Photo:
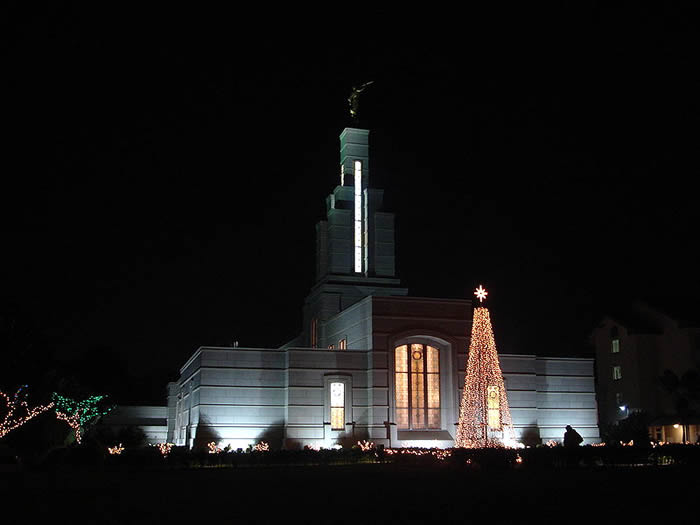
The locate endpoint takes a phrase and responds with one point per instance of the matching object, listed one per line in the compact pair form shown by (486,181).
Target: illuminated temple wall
(546,394)
(240,396)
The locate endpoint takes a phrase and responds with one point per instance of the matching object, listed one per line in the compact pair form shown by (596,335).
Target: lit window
(337,406)
(615,348)
(358,216)
(342,174)
(331,347)
(417,382)
(617,372)
(314,332)
(343,344)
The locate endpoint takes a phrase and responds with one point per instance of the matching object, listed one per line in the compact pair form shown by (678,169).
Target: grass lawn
(365,493)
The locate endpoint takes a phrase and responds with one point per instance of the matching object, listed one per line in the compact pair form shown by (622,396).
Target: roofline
(422,299)
(199,351)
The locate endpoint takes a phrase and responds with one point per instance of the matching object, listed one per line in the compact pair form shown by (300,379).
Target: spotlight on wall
(676,425)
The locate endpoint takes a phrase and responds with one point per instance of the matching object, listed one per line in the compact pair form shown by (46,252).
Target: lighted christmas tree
(484,417)
(16,411)
(78,414)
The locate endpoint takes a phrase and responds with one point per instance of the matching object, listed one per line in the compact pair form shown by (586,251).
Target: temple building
(371,362)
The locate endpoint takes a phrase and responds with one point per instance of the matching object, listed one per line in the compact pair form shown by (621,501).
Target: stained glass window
(417,386)
(337,406)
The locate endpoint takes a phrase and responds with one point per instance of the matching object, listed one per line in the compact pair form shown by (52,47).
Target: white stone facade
(240,396)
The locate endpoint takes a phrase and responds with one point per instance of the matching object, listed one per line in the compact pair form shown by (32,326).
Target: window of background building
(417,386)
(617,372)
(343,344)
(615,348)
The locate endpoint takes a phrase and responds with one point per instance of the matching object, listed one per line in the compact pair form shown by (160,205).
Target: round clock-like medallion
(417,354)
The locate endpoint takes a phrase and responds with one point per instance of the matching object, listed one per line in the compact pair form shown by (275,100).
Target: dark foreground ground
(366,493)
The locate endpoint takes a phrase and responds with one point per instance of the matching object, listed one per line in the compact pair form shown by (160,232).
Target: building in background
(370,362)
(648,362)
(152,420)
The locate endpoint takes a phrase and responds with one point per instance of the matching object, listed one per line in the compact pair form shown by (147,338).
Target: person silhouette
(572,439)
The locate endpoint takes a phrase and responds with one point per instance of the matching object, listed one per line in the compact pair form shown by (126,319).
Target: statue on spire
(354,98)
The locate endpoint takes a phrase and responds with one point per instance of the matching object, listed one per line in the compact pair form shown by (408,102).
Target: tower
(355,247)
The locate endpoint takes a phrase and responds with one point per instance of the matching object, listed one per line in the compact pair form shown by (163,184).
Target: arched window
(417,386)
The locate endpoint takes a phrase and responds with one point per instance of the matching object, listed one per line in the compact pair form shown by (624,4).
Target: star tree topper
(481,293)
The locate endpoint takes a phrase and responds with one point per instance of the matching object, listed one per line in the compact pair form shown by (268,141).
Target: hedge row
(529,458)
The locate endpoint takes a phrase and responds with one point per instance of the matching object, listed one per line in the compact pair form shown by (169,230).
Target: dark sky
(163,172)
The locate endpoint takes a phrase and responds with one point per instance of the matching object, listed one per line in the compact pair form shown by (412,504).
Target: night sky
(163,173)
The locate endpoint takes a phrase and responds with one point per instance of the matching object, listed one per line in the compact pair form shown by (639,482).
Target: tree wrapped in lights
(79,414)
(17,412)
(165,448)
(484,417)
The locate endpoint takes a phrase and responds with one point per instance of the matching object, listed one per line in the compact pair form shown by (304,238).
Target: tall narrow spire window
(358,216)
(314,333)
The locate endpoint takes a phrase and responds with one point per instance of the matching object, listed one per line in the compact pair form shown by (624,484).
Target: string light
(73,422)
(484,416)
(115,450)
(165,448)
(79,413)
(439,453)
(261,447)
(213,448)
(18,411)
(365,445)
